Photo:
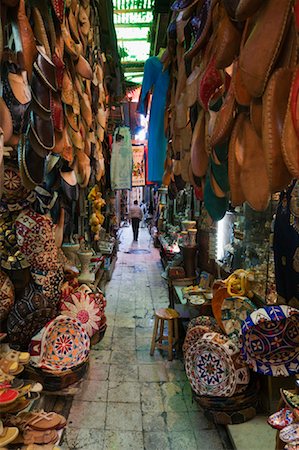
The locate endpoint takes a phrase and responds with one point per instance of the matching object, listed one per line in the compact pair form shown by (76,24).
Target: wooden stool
(171,316)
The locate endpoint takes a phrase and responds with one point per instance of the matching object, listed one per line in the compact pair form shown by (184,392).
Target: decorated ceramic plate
(202,325)
(61,345)
(204,320)
(234,310)
(214,366)
(290,433)
(195,299)
(270,340)
(281,419)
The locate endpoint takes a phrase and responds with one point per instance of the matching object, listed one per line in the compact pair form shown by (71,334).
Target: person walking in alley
(135,216)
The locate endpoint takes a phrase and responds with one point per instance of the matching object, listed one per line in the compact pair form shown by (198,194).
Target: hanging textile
(138,175)
(121,159)
(158,80)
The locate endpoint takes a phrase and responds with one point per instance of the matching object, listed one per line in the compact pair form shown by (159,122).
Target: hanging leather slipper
(251,158)
(45,69)
(234,170)
(215,206)
(200,26)
(83,68)
(275,100)
(29,50)
(247,8)
(40,98)
(40,31)
(199,155)
(256,114)
(228,40)
(290,141)
(31,165)
(41,135)
(5,121)
(261,49)
(225,117)
(220,172)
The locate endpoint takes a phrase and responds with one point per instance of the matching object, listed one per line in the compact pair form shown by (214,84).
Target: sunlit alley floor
(131,400)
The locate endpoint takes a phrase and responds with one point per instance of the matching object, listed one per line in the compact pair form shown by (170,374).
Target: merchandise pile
(16,395)
(233,86)
(219,351)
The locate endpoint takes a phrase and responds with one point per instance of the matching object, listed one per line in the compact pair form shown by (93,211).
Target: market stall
(58,229)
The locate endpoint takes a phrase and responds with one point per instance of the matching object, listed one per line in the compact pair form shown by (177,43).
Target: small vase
(70,251)
(85,276)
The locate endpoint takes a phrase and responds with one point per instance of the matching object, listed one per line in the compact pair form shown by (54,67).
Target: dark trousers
(135,226)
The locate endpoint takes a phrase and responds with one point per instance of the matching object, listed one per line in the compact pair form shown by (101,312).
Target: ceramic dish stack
(286,420)
(224,391)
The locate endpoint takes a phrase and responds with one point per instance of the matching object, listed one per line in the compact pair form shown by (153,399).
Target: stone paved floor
(130,400)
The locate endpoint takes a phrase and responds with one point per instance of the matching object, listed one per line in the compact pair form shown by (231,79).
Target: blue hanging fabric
(121,159)
(158,80)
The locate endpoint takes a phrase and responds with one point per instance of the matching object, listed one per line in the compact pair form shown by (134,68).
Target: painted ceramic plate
(214,366)
(281,419)
(290,433)
(60,346)
(270,339)
(202,325)
(196,299)
(234,310)
(204,320)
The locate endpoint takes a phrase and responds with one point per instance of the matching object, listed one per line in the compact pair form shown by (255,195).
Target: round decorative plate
(197,331)
(195,299)
(214,366)
(234,310)
(204,320)
(61,345)
(83,307)
(281,419)
(290,433)
(270,340)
